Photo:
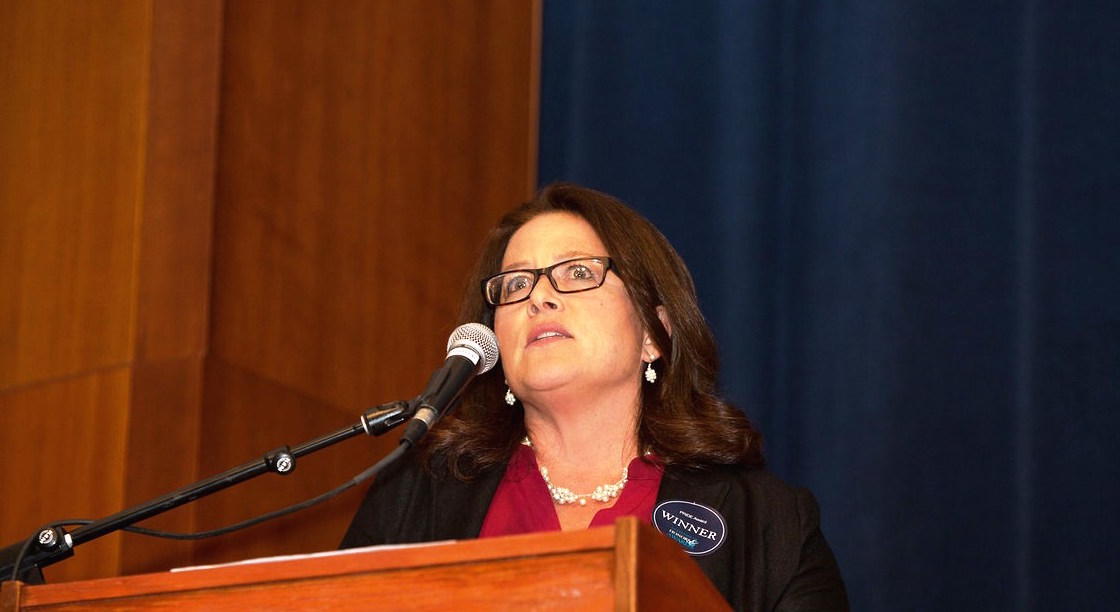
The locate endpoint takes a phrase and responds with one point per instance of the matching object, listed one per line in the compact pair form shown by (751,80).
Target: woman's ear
(664,316)
(652,351)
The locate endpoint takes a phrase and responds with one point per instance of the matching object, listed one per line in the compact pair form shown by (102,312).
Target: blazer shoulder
(395,495)
(766,487)
(751,495)
(789,517)
(408,503)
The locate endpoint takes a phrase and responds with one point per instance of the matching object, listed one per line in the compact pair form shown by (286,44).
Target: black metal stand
(55,544)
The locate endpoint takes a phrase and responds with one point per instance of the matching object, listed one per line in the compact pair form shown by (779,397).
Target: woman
(604,406)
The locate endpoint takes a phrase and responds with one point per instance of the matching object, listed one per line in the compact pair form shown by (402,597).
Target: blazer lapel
(459,508)
(704,488)
(708,489)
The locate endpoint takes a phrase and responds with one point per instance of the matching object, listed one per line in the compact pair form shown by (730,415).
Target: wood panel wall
(231,225)
(109,110)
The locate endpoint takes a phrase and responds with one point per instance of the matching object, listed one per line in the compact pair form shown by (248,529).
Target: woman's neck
(587,437)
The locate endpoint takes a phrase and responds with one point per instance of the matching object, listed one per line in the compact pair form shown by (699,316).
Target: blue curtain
(903,221)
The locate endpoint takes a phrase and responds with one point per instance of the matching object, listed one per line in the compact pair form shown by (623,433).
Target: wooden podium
(625,567)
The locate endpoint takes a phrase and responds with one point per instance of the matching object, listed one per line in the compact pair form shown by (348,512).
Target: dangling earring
(651,374)
(510,399)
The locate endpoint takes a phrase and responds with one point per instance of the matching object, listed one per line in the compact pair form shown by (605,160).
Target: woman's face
(589,342)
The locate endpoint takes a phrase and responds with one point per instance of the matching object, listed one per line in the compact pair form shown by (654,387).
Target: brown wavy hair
(682,419)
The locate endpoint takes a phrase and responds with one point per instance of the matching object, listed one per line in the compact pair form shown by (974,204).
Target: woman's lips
(546,334)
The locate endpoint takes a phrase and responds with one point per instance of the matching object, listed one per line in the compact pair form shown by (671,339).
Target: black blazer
(774,557)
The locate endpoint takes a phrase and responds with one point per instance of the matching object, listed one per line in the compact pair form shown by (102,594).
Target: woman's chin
(543,384)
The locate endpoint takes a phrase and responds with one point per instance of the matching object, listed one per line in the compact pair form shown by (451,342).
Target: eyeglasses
(571,276)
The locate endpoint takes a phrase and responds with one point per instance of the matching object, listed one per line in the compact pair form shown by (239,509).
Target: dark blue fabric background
(903,221)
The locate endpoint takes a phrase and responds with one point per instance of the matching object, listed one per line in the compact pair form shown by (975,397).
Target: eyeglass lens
(566,277)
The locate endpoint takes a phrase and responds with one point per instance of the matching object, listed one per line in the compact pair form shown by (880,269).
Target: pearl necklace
(563,495)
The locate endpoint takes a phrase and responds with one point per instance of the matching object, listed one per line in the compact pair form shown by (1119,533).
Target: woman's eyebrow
(525,265)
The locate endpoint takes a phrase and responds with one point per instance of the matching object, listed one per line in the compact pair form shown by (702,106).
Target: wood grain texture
(173,270)
(246,416)
(177,210)
(73,82)
(365,151)
(66,442)
(254,219)
(162,447)
(109,132)
(536,571)
(554,570)
(72,86)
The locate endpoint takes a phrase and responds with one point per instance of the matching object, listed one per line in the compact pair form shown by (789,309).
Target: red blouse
(522,503)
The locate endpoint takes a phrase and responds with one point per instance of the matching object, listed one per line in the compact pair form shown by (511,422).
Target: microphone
(472,349)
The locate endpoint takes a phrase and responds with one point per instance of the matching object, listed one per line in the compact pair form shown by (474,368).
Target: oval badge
(700,530)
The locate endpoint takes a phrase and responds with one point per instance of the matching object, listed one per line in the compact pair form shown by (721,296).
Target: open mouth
(547,334)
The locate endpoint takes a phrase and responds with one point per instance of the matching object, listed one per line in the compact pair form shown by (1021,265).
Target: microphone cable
(171,535)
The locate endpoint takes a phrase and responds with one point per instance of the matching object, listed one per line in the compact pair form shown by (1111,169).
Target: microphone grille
(479,338)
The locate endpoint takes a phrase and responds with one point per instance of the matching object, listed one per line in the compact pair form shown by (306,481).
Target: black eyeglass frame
(608,265)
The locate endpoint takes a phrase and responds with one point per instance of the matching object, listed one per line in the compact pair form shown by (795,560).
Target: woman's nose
(544,296)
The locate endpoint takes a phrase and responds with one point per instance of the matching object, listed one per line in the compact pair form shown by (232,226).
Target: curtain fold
(903,222)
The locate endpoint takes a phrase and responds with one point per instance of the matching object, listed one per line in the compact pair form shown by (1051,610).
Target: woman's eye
(580,272)
(516,283)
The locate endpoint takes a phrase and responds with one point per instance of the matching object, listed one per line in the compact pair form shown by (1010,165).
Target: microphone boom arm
(54,544)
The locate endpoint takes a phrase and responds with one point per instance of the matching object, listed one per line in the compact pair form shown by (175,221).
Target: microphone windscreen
(478,338)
